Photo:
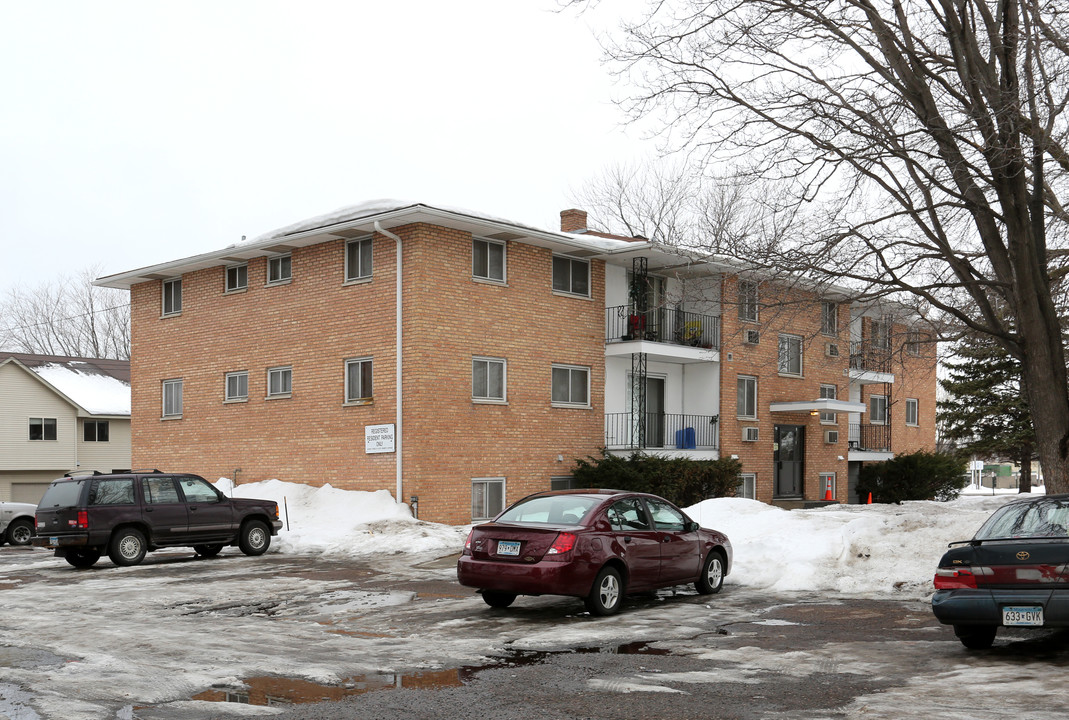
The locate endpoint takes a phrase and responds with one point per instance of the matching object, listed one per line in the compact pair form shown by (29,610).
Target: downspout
(397,434)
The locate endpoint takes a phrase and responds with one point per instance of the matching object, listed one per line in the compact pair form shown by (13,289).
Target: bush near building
(682,481)
(918,476)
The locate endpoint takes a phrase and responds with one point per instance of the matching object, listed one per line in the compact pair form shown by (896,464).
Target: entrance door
(654,412)
(789,457)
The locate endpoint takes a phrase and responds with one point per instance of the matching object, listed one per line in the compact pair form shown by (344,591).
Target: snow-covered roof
(98,386)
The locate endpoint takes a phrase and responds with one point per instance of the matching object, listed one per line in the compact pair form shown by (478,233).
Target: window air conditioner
(831,436)
(750,434)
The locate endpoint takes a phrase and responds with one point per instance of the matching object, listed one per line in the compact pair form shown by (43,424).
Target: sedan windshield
(551,510)
(1041,518)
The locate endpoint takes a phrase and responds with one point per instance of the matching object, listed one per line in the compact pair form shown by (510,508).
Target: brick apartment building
(520,350)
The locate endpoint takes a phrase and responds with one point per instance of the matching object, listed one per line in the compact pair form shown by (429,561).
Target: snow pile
(97,393)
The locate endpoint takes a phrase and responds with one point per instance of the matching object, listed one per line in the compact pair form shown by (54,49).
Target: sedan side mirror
(692,526)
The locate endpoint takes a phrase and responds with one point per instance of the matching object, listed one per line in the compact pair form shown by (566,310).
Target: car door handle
(666,538)
(627,538)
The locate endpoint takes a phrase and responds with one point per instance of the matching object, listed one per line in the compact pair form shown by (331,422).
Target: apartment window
(358,259)
(279,381)
(829,318)
(95,431)
(237,278)
(172,296)
(828,392)
(563,482)
(827,483)
(487,498)
(747,487)
(912,411)
(571,276)
(881,333)
(358,380)
(878,409)
(488,379)
(488,260)
(748,300)
(571,385)
(747,402)
(172,398)
(279,269)
(913,343)
(42,428)
(790,354)
(237,387)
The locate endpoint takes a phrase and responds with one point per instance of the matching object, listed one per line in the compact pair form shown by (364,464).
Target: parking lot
(309,637)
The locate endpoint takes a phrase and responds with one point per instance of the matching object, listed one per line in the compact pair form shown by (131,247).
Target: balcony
(662,431)
(663,325)
(867,357)
(864,437)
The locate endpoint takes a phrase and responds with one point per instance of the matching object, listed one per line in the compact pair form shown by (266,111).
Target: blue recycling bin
(686,439)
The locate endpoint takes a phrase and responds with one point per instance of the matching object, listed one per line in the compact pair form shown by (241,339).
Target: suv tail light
(954,579)
(561,546)
(82,522)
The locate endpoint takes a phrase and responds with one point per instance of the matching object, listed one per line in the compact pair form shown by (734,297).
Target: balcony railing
(867,357)
(872,438)
(660,431)
(665,325)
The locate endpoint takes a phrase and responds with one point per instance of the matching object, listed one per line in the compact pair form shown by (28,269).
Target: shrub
(680,480)
(920,476)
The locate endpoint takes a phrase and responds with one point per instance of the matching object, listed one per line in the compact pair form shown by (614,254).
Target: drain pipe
(397,433)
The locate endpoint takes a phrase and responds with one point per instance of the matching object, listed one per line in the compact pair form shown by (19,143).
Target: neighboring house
(521,350)
(59,415)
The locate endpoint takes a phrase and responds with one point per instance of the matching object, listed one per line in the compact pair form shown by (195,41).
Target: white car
(16,522)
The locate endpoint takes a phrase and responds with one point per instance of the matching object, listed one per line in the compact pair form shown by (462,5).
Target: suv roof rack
(84,473)
(136,471)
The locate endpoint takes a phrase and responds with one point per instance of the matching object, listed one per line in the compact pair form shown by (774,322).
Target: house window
(878,409)
(279,381)
(279,270)
(912,411)
(172,398)
(488,379)
(827,483)
(881,333)
(913,343)
(747,402)
(487,498)
(488,260)
(829,318)
(747,487)
(748,300)
(358,384)
(563,482)
(358,259)
(790,355)
(237,278)
(172,296)
(42,428)
(828,392)
(95,431)
(571,385)
(571,276)
(237,387)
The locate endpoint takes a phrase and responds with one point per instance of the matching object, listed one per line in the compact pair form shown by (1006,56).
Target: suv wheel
(82,558)
(127,547)
(208,551)
(19,532)
(255,538)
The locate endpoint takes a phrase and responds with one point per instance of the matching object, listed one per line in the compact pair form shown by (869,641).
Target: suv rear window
(62,494)
(112,492)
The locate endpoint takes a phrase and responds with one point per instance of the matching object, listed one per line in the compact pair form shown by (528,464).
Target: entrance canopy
(824,404)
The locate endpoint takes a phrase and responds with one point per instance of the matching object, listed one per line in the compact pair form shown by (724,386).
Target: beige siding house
(58,415)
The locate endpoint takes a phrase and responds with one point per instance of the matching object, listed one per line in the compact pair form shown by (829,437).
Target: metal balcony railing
(868,357)
(873,438)
(665,325)
(660,431)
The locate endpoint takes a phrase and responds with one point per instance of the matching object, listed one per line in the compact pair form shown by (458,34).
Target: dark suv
(126,515)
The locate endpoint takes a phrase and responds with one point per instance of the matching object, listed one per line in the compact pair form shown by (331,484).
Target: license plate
(1027,615)
(508,547)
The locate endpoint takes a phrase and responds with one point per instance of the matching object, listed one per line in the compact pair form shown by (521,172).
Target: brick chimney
(573,221)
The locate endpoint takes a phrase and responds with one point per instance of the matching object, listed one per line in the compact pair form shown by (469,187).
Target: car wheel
(82,558)
(607,594)
(208,551)
(976,637)
(255,538)
(712,577)
(127,547)
(498,599)
(19,532)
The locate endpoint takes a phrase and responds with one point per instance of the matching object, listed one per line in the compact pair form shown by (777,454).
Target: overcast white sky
(133,133)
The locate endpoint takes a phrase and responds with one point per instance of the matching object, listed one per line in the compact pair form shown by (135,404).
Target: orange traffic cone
(827,494)
(870,499)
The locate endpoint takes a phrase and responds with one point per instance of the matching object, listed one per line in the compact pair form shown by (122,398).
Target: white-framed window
(488,377)
(359,387)
(172,296)
(747,397)
(881,333)
(912,411)
(236,387)
(358,259)
(279,269)
(280,381)
(748,300)
(172,398)
(96,431)
(42,428)
(828,392)
(827,482)
(488,260)
(747,486)
(829,318)
(878,409)
(571,385)
(790,355)
(563,482)
(487,498)
(571,276)
(237,278)
(913,343)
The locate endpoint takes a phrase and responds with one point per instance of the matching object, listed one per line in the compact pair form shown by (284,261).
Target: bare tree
(69,317)
(917,147)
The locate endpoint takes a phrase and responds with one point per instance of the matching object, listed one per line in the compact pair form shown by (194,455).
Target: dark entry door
(654,412)
(789,457)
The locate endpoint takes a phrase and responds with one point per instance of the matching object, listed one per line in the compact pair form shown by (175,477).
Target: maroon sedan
(599,545)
